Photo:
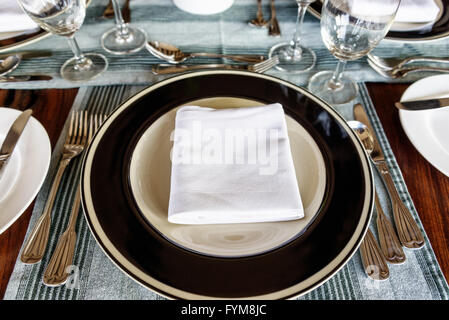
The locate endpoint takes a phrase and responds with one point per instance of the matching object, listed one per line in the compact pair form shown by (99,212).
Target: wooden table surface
(428,187)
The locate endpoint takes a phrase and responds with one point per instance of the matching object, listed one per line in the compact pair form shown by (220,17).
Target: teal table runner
(227,32)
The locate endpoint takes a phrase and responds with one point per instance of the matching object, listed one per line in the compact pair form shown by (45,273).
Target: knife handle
(34,248)
(168,69)
(408,231)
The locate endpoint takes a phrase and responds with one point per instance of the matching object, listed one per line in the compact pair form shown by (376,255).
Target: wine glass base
(93,65)
(293,62)
(114,43)
(319,85)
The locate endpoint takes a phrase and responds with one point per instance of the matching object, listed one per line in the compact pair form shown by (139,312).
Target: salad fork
(36,244)
(56,273)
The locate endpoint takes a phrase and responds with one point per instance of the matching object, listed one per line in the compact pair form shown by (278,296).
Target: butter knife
(416,105)
(29,54)
(13,136)
(408,231)
(26,78)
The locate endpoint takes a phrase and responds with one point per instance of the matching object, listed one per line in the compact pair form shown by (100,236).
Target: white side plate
(25,172)
(428,129)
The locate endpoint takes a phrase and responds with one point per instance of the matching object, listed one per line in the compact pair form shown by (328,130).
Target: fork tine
(96,122)
(75,128)
(70,132)
(85,127)
(267,62)
(91,123)
(79,135)
(259,68)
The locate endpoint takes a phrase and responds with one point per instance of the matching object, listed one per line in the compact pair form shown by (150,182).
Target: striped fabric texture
(418,278)
(227,32)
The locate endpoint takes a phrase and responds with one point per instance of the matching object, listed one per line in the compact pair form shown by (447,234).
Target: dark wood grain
(51,108)
(428,187)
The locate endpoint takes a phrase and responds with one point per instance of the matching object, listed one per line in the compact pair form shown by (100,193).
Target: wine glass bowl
(350,29)
(64,18)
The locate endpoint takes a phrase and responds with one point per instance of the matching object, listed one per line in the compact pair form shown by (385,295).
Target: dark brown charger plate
(439,29)
(173,271)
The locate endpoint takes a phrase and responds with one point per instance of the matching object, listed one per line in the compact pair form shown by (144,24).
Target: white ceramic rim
(29,186)
(412,123)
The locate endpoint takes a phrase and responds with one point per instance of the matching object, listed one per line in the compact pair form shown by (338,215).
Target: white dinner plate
(22,177)
(428,130)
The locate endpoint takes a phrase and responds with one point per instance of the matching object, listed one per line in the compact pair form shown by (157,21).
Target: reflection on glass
(64,18)
(350,29)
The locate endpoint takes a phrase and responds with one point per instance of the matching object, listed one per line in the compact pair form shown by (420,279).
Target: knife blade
(408,231)
(13,136)
(416,105)
(26,78)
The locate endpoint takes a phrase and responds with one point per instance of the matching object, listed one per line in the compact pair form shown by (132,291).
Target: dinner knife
(13,136)
(26,78)
(416,105)
(408,231)
(29,54)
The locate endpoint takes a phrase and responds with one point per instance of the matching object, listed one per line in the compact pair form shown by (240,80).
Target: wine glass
(293,57)
(350,29)
(64,18)
(122,39)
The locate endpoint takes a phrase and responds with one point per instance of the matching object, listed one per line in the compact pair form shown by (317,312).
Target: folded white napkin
(12,18)
(418,11)
(232,166)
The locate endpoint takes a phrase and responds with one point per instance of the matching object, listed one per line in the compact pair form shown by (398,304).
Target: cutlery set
(409,235)
(81,130)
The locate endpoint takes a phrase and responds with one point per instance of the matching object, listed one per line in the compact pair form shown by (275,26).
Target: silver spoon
(172,54)
(395,63)
(389,242)
(398,73)
(9,64)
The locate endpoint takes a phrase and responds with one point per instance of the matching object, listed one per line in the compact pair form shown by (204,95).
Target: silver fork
(36,244)
(56,272)
(259,67)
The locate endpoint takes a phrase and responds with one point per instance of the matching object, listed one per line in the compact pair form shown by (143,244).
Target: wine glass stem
(335,81)
(122,28)
(295,42)
(80,59)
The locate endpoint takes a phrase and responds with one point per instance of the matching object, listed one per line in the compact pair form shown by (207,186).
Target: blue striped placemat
(418,278)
